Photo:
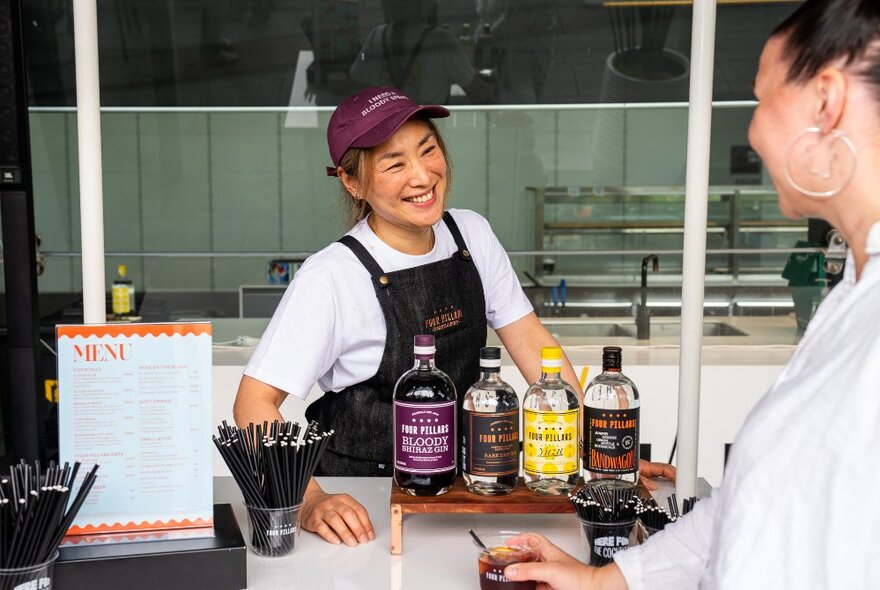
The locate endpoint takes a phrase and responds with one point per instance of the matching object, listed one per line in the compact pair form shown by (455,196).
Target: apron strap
(456,235)
(376,272)
(379,276)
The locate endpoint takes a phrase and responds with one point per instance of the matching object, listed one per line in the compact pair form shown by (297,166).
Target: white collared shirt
(798,507)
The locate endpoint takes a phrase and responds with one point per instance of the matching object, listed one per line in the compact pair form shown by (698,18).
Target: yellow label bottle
(122,293)
(551,421)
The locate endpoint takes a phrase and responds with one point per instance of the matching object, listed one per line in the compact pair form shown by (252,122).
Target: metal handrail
(576,192)
(511,253)
(463,108)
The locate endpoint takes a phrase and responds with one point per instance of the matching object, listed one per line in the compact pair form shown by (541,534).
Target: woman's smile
(424,199)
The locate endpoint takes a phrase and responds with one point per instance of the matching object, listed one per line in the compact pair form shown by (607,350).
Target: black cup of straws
(272,464)
(608,516)
(37,507)
(273,531)
(604,539)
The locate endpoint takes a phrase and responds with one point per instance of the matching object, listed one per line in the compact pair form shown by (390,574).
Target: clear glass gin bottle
(611,425)
(550,429)
(489,427)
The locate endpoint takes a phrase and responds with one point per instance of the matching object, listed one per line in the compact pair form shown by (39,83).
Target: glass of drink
(504,548)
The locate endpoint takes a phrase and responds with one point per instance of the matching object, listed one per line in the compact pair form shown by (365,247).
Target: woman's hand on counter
(648,469)
(336,517)
(557,570)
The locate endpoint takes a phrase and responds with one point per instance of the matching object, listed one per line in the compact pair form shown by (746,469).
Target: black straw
(477,539)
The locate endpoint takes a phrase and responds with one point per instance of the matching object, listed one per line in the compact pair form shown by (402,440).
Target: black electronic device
(19,243)
(218,562)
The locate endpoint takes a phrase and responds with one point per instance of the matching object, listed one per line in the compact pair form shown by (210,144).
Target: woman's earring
(820,165)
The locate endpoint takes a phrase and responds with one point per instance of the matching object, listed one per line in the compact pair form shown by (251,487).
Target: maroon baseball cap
(371,116)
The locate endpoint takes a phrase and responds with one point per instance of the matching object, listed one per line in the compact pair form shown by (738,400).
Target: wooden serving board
(460,501)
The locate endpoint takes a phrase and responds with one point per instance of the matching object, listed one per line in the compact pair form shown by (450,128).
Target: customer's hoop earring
(801,158)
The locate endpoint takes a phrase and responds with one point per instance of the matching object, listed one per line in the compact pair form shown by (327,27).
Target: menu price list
(144,416)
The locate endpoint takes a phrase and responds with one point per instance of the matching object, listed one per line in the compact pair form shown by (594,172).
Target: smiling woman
(408,266)
(355,164)
(405,186)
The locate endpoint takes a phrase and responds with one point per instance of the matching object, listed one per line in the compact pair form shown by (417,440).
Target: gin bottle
(424,425)
(611,425)
(550,429)
(490,430)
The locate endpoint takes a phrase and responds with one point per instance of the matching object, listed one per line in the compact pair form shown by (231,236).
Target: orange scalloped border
(157,535)
(196,329)
(118,527)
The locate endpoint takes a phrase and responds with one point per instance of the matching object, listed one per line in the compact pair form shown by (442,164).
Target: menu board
(136,399)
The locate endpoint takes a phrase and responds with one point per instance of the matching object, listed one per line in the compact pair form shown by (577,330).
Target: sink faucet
(643,316)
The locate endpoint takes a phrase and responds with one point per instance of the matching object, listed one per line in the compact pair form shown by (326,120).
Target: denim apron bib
(443,298)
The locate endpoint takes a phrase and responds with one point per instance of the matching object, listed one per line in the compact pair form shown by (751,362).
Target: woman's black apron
(443,298)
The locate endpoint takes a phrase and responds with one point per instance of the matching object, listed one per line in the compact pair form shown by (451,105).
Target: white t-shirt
(329,327)
(797,505)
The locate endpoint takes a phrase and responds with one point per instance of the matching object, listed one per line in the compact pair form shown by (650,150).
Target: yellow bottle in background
(122,293)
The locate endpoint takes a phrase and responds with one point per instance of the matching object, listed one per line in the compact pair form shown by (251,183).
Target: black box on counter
(218,562)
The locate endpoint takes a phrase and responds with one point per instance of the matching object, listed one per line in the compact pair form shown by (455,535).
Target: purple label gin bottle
(424,425)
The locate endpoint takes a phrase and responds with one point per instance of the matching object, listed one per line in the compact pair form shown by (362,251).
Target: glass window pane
(568,132)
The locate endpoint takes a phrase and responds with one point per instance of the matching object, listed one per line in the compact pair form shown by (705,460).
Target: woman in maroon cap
(407,267)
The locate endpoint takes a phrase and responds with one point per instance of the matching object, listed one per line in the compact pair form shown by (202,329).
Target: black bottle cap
(612,357)
(490,352)
(490,359)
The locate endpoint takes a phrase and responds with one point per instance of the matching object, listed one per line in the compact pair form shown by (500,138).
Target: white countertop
(438,554)
(770,342)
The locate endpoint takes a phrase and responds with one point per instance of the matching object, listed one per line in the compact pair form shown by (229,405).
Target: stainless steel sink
(663,329)
(659,329)
(592,330)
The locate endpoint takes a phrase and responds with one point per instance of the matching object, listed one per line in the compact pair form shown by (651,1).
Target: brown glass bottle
(424,426)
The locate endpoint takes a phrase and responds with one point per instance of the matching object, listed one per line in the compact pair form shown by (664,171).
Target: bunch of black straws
(687,505)
(652,515)
(601,504)
(272,465)
(35,512)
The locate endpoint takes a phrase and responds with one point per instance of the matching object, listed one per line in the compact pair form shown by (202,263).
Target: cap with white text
(371,116)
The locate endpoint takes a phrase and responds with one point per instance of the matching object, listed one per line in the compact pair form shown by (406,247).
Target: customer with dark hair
(797,505)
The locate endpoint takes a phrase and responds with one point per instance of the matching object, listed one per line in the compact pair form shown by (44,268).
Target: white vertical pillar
(694,262)
(91,193)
